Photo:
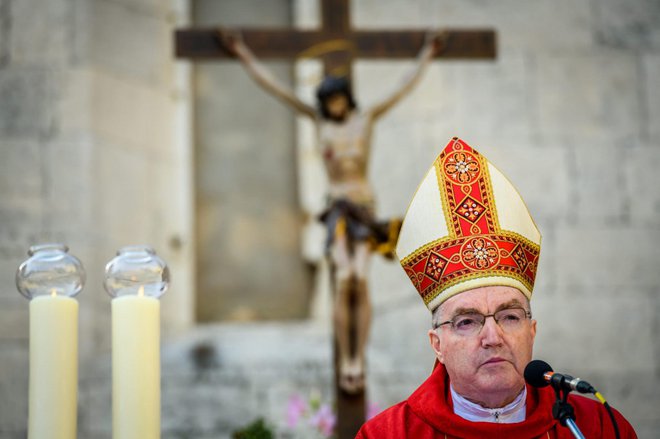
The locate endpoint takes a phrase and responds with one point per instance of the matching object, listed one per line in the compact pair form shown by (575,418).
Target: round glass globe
(50,271)
(136,271)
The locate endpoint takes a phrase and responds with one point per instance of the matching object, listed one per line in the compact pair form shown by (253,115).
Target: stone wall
(94,151)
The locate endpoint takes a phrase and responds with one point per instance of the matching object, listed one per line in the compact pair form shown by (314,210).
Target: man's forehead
(484,299)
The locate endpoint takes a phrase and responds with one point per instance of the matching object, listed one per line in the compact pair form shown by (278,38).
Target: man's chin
(499,376)
(500,382)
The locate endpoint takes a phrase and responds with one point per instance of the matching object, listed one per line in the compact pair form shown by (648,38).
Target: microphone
(538,373)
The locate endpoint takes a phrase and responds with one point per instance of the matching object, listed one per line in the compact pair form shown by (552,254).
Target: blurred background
(107,140)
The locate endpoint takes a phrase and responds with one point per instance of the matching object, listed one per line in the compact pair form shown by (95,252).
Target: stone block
(389,285)
(13,388)
(21,179)
(631,393)
(156,8)
(399,161)
(540,172)
(392,387)
(587,98)
(204,407)
(607,257)
(73,105)
(5,36)
(650,90)
(555,24)
(124,187)
(372,14)
(411,313)
(399,335)
(627,25)
(242,13)
(68,178)
(128,113)
(14,319)
(246,346)
(647,428)
(494,97)
(125,41)
(9,295)
(597,182)
(25,108)
(21,227)
(642,182)
(44,38)
(95,406)
(178,310)
(16,434)
(655,325)
(306,14)
(132,210)
(228,107)
(597,334)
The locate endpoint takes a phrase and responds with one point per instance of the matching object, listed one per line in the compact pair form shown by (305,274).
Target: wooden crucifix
(335,32)
(350,217)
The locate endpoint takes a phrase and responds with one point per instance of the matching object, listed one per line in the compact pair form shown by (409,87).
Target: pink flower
(324,420)
(372,410)
(294,410)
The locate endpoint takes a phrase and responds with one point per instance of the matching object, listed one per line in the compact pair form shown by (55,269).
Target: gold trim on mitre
(467,227)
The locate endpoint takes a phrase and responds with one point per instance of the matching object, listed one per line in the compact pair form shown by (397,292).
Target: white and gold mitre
(467,227)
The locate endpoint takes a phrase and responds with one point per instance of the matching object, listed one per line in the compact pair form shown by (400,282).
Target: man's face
(337,106)
(487,367)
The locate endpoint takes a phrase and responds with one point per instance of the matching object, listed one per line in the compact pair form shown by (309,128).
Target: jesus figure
(344,135)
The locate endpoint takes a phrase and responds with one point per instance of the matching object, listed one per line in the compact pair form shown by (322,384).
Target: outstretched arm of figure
(262,76)
(435,42)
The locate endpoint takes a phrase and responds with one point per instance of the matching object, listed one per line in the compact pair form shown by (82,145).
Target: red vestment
(428,413)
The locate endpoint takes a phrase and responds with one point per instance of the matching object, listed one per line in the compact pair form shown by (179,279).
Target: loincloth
(358,223)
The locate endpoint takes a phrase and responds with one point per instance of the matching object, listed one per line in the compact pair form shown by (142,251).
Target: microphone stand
(564,413)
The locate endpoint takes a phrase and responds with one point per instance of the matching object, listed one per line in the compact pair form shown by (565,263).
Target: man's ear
(435,345)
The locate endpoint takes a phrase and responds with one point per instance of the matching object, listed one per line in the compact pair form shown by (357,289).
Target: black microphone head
(534,372)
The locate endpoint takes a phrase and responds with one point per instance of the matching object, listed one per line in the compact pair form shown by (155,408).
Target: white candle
(53,367)
(136,367)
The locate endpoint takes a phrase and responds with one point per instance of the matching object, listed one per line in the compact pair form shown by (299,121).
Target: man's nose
(491,333)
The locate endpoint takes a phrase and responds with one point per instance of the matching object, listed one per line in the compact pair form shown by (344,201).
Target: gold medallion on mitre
(467,227)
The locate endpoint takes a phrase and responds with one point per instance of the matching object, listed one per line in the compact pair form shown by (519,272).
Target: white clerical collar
(513,412)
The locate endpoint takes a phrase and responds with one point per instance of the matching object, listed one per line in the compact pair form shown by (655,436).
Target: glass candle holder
(136,271)
(50,271)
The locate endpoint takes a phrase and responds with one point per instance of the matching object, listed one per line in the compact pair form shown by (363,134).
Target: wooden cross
(336,41)
(338,45)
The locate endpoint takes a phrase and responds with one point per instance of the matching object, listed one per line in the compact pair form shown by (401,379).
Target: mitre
(467,227)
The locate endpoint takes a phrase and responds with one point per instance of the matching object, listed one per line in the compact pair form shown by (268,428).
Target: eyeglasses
(509,319)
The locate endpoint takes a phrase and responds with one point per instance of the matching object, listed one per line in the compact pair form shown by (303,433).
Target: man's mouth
(494,360)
